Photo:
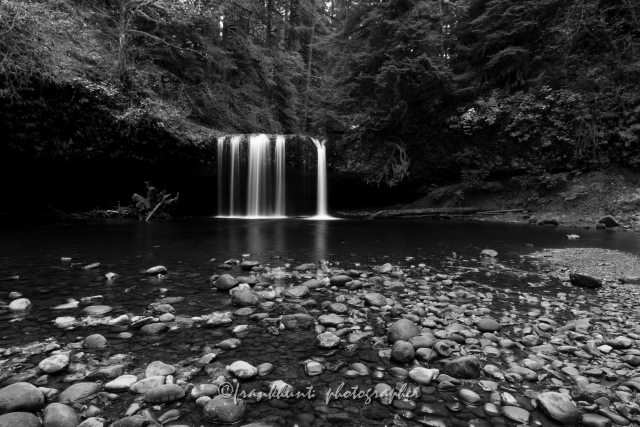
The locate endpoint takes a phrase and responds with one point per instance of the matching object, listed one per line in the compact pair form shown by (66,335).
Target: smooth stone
(469,396)
(402,330)
(340,280)
(153,329)
(559,407)
(330,320)
(265,369)
(488,325)
(94,341)
(164,394)
(93,422)
(584,281)
(402,352)
(97,310)
(54,364)
(59,415)
(224,411)
(374,299)
(21,397)
(327,340)
(304,267)
(245,298)
(201,390)
(225,282)
(296,292)
(158,269)
(465,367)
(19,419)
(248,265)
(122,383)
(64,322)
(159,368)
(516,414)
(20,305)
(594,420)
(423,376)
(135,421)
(243,370)
(422,341)
(143,386)
(489,253)
(229,344)
(78,391)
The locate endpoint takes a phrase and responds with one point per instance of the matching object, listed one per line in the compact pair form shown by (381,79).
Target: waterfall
(252,177)
(321,210)
(280,176)
(234,177)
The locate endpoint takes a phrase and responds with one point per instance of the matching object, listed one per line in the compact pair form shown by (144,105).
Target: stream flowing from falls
(252,177)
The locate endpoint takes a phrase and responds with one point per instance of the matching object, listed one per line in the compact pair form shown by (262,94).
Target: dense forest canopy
(405,90)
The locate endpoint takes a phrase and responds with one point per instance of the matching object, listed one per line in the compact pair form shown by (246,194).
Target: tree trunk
(269,7)
(309,62)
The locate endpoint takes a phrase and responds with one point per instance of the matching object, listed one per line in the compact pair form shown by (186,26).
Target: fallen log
(417,212)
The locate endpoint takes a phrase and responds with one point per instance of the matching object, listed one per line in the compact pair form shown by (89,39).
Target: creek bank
(439,346)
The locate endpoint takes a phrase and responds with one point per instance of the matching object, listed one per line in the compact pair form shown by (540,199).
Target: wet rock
(402,352)
(374,299)
(243,370)
(609,221)
(403,329)
(298,321)
(584,281)
(338,308)
(296,292)
(158,368)
(64,321)
(423,376)
(248,265)
(489,253)
(488,324)
(330,320)
(153,329)
(158,269)
(19,419)
(470,397)
(219,319)
(558,407)
(93,422)
(167,317)
(78,392)
(589,392)
(94,341)
(225,282)
(200,390)
(20,397)
(245,298)
(594,420)
(312,284)
(229,344)
(313,368)
(305,267)
(135,421)
(340,280)
(516,414)
(20,305)
(164,394)
(97,310)
(121,383)
(54,364)
(327,340)
(465,367)
(143,386)
(59,415)
(384,268)
(224,411)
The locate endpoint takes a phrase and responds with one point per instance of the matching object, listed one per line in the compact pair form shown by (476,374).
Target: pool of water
(192,249)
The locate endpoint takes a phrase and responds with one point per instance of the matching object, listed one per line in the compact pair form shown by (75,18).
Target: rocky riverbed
(483,341)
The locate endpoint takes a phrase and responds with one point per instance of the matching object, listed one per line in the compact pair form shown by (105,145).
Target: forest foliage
(405,90)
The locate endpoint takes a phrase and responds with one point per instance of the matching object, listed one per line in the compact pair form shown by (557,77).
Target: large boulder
(21,397)
(59,415)
(19,419)
(225,282)
(466,367)
(559,407)
(223,410)
(403,329)
(584,281)
(609,221)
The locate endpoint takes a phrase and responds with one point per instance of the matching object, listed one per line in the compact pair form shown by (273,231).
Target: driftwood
(422,212)
(154,203)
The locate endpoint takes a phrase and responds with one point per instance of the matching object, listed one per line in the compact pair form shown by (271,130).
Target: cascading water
(280,176)
(258,200)
(321,210)
(258,178)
